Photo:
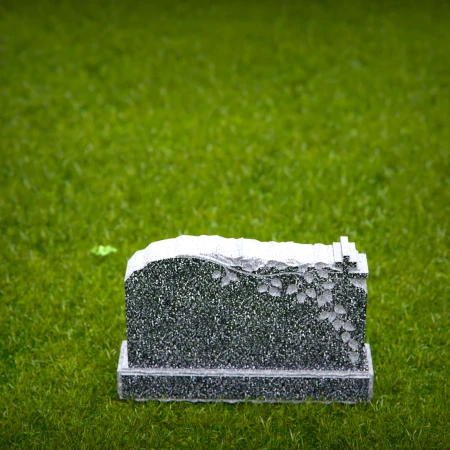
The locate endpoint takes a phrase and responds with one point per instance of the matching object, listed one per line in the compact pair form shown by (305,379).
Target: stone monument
(215,319)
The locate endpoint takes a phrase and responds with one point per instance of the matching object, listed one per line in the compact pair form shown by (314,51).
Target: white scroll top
(249,254)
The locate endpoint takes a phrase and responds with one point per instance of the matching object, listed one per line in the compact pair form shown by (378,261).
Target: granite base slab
(235,385)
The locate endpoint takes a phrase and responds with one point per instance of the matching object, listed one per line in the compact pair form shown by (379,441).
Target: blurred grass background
(127,122)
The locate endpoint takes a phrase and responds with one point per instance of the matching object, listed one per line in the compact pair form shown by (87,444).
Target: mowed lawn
(123,123)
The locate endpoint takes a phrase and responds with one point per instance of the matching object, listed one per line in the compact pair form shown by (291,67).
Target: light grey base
(233,385)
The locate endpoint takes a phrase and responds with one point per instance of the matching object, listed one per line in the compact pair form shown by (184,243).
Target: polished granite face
(187,312)
(237,309)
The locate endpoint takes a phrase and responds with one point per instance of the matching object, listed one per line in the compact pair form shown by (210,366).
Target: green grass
(125,123)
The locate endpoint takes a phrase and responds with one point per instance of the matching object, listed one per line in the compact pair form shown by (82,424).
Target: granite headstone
(215,319)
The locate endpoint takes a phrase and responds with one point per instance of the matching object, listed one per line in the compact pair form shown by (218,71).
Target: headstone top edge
(232,251)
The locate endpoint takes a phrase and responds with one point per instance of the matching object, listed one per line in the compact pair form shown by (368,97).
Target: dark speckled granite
(188,313)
